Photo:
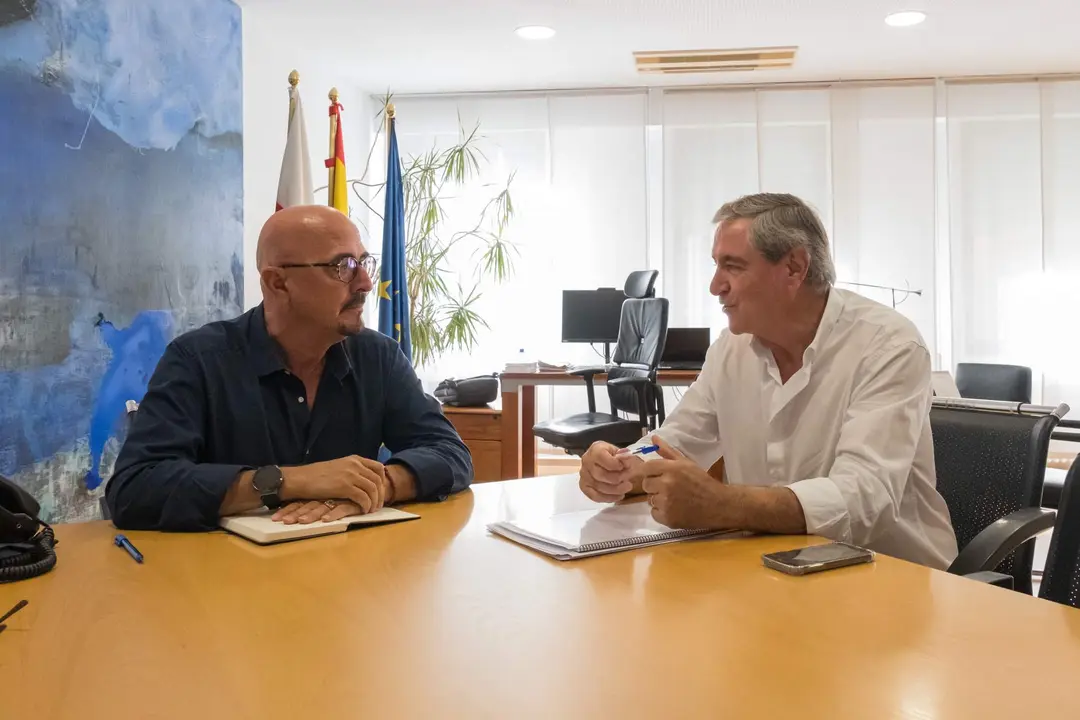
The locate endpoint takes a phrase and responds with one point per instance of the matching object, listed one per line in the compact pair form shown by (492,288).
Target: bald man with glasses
(288,405)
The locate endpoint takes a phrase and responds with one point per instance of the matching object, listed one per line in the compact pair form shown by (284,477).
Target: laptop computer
(685,349)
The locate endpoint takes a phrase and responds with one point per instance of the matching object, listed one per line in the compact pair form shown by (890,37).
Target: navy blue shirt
(221,401)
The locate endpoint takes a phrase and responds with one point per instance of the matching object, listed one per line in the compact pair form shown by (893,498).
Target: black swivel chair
(641,284)
(1054,484)
(985,381)
(1061,578)
(1009,383)
(631,385)
(990,459)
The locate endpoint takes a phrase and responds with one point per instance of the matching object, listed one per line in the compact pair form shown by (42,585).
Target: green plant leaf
(443,319)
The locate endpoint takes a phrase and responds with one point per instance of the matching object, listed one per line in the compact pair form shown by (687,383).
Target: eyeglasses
(346,267)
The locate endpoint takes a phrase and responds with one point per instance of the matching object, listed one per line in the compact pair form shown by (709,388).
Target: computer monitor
(685,348)
(592,316)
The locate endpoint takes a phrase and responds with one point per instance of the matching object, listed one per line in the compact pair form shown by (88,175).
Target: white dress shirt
(848,433)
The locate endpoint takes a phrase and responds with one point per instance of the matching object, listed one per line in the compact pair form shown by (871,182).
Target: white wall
(269,57)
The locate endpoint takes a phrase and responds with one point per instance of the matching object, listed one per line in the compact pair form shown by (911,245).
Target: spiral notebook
(569,536)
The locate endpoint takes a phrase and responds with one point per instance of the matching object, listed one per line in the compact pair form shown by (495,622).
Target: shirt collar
(266,355)
(337,360)
(268,358)
(834,305)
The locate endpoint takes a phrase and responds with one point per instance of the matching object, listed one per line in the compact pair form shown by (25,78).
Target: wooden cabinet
(480,429)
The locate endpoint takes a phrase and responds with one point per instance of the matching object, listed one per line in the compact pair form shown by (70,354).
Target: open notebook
(569,536)
(259,528)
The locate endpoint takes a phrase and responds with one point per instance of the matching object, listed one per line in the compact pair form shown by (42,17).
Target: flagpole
(294,80)
(333,144)
(389,124)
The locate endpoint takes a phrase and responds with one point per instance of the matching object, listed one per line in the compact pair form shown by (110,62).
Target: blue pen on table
(122,541)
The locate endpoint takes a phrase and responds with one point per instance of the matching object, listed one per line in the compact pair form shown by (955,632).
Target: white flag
(294,185)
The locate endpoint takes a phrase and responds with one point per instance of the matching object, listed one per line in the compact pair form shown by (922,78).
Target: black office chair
(1061,578)
(641,284)
(631,385)
(986,381)
(990,458)
(1054,483)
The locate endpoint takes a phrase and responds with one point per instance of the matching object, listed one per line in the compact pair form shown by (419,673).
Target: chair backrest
(1061,578)
(642,333)
(986,381)
(639,284)
(991,458)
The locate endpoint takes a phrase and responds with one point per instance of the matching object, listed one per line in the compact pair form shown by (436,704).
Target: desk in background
(480,429)
(519,412)
(436,618)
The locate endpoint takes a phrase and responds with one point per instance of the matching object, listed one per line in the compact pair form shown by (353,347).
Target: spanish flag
(338,190)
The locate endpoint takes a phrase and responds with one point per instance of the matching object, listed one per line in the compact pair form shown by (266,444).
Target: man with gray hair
(816,399)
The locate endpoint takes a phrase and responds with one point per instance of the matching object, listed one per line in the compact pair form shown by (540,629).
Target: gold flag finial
(390,110)
(294,78)
(333,95)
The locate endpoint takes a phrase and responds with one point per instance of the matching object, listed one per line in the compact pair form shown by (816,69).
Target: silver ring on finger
(330,503)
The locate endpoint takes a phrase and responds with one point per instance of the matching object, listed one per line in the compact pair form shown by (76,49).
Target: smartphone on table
(817,558)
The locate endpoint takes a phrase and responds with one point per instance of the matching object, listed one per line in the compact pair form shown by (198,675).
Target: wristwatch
(267,482)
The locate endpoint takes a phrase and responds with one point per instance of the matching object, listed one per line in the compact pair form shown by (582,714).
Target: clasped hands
(681,494)
(333,490)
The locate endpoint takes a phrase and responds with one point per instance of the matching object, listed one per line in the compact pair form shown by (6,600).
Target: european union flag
(393,290)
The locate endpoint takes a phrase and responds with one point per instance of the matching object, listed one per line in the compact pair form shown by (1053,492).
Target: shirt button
(300,399)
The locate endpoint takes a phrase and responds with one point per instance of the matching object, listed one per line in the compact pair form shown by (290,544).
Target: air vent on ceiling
(704,61)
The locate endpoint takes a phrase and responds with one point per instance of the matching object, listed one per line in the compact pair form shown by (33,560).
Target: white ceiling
(468,45)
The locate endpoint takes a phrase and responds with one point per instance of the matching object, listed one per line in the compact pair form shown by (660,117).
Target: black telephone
(468,392)
(26,543)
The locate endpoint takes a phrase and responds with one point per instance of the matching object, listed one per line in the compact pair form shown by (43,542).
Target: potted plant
(443,313)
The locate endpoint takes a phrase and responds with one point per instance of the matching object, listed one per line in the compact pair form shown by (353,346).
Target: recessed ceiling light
(906,18)
(535,32)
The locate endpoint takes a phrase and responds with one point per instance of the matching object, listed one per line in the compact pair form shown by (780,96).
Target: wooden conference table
(436,618)
(519,412)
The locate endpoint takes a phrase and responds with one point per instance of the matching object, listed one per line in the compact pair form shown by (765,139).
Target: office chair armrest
(642,381)
(588,373)
(987,549)
(992,578)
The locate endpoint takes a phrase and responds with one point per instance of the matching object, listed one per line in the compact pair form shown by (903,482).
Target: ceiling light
(535,32)
(906,18)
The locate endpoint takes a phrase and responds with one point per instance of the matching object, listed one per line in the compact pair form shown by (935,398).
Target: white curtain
(863,158)
(580,222)
(1014,208)
(883,198)
(966,194)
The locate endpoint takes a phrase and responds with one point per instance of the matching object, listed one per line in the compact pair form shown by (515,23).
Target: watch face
(267,479)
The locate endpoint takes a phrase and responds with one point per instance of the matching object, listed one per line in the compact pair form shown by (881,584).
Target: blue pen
(645,450)
(121,541)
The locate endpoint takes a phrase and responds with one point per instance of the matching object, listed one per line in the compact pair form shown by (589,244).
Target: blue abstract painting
(121,220)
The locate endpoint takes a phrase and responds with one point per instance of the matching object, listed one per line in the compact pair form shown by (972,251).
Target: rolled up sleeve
(890,407)
(421,438)
(824,508)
